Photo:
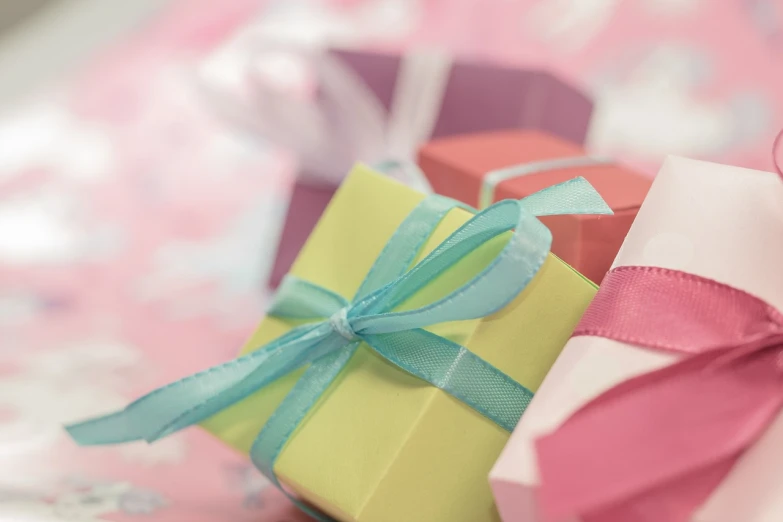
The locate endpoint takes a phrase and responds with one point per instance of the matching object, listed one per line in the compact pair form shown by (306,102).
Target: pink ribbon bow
(654,447)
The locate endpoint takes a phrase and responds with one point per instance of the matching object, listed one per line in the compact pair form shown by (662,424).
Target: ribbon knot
(396,335)
(340,324)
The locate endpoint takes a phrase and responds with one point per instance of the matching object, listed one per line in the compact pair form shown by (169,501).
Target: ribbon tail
(575,196)
(647,434)
(672,501)
(455,370)
(199,396)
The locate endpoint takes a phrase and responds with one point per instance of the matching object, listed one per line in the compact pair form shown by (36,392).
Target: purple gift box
(476,97)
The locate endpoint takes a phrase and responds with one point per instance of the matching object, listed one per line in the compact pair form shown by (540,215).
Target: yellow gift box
(381,445)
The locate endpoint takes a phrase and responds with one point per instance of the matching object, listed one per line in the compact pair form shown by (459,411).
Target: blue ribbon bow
(328,344)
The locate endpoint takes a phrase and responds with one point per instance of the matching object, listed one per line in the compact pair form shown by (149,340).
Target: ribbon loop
(498,283)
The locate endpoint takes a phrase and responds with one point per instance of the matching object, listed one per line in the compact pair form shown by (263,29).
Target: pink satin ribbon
(776,152)
(654,447)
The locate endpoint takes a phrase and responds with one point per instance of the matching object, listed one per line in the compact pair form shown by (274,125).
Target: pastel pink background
(136,228)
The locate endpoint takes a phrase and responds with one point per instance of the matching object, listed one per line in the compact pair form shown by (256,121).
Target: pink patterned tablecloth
(136,230)
(133,235)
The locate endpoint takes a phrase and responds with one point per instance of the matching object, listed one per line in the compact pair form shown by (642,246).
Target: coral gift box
(465,97)
(381,445)
(459,167)
(721,226)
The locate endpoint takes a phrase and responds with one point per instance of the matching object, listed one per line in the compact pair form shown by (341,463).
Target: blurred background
(138,223)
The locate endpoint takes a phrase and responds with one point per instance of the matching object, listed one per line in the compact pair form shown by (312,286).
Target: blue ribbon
(325,346)
(494,177)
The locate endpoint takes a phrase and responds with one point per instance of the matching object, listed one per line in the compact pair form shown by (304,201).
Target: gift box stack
(449,356)
(409,98)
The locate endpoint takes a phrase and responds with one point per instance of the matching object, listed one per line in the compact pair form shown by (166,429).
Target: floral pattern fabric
(137,227)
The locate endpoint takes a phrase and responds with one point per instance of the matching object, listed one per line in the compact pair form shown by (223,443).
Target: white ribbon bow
(345,122)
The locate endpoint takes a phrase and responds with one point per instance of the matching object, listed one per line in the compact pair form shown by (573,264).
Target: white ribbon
(345,122)
(416,104)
